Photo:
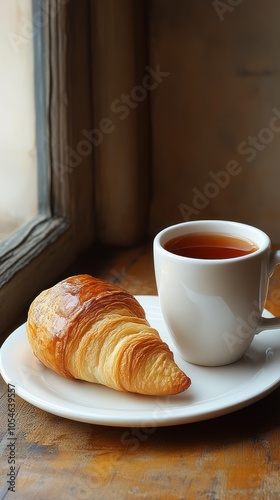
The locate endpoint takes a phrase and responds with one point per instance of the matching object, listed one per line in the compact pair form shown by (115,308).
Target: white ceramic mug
(213,307)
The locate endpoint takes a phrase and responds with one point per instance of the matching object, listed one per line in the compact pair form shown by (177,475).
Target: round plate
(214,391)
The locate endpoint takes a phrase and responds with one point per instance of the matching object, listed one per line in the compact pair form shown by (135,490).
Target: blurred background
(220,103)
(176,110)
(204,140)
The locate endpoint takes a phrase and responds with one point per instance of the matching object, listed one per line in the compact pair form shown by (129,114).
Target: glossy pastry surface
(89,329)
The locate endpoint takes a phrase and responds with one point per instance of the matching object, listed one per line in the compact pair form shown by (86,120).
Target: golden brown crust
(92,330)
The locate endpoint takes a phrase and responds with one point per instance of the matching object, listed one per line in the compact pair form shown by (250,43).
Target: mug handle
(270,323)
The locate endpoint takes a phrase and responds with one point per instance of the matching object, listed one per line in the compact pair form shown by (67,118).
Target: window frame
(64,227)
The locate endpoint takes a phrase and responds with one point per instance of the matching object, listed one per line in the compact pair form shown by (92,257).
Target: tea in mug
(210,246)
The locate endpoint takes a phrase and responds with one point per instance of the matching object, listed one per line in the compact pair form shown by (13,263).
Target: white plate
(214,391)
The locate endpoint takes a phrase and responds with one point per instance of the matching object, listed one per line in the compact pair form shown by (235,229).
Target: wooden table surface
(236,456)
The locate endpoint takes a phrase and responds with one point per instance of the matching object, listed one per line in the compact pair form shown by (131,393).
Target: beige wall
(219,96)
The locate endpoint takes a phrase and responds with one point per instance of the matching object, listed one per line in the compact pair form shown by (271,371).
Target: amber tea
(210,246)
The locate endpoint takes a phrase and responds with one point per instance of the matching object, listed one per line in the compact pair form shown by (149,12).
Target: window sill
(28,242)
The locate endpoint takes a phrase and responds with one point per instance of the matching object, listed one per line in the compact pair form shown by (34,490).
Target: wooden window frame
(88,193)
(34,257)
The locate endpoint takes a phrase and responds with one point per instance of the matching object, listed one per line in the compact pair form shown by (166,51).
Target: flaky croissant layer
(85,328)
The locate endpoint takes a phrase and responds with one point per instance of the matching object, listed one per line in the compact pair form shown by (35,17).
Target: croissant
(85,328)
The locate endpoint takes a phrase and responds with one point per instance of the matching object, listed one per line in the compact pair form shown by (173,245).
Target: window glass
(18,154)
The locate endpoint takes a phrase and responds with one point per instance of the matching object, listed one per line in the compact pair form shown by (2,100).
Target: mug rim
(170,230)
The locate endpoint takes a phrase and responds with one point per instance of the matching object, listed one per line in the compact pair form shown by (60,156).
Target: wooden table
(236,456)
